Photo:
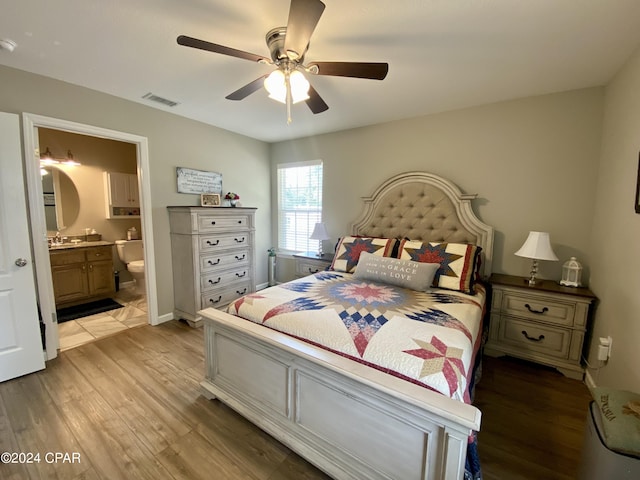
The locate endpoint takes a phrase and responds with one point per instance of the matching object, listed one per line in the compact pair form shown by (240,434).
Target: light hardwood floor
(129,405)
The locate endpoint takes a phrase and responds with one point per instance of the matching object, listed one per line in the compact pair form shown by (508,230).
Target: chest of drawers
(546,323)
(213,257)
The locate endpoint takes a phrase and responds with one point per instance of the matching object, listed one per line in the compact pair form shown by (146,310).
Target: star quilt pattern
(429,338)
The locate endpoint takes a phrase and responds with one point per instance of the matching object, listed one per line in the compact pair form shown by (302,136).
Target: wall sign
(198,181)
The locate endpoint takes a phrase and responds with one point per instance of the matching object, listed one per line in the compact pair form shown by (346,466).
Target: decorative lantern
(571,273)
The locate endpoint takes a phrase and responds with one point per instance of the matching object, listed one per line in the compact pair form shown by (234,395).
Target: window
(299,205)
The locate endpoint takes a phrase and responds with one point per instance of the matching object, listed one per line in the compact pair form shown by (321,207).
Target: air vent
(156,98)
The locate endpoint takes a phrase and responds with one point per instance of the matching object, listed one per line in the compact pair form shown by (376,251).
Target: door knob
(21,262)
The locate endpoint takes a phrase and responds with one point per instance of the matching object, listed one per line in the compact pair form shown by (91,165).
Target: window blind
(299,205)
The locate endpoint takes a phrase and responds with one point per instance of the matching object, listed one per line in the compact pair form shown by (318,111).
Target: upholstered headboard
(426,207)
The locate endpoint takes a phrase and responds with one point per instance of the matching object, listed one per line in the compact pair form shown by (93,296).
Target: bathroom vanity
(82,272)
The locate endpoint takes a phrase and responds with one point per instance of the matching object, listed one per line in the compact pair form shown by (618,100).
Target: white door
(21,349)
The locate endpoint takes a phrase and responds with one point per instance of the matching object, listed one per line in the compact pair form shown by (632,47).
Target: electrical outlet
(604,348)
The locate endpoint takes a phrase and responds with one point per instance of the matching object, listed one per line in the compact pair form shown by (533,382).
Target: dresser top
(542,285)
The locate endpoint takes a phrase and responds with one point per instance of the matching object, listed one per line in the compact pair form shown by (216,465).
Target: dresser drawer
(215,262)
(224,296)
(220,279)
(539,308)
(534,337)
(216,223)
(212,243)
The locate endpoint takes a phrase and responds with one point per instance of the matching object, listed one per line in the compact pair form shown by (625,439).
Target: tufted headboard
(426,207)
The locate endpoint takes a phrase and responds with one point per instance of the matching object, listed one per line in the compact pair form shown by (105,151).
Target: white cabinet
(213,257)
(122,196)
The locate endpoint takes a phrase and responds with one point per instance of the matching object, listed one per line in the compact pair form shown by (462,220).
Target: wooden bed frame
(350,420)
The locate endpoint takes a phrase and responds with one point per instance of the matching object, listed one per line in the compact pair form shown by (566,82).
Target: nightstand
(546,323)
(309,262)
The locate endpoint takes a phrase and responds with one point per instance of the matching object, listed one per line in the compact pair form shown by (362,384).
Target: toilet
(130,253)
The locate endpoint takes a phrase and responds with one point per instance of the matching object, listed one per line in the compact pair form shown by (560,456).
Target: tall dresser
(213,257)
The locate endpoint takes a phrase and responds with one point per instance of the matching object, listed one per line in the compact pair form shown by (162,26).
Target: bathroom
(81,208)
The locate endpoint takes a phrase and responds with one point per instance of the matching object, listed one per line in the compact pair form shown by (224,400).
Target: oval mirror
(61,199)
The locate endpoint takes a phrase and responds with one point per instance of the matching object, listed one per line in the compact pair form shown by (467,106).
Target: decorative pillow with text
(392,271)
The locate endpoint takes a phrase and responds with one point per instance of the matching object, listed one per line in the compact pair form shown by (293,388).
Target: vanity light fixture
(47,158)
(70,160)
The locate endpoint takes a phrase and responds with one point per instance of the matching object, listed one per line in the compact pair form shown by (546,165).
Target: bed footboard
(349,420)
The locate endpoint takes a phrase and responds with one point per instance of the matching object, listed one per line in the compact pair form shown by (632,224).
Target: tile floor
(87,329)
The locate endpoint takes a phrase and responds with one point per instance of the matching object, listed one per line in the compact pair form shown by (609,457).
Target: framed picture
(210,200)
(49,199)
(198,181)
(638,188)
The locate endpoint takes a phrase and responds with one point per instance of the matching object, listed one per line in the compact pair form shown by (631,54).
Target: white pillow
(402,273)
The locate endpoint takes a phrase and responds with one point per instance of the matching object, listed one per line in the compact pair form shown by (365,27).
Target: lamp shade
(537,246)
(319,232)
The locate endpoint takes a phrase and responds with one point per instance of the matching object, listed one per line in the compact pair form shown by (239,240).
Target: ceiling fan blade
(303,18)
(213,47)
(247,90)
(315,102)
(373,71)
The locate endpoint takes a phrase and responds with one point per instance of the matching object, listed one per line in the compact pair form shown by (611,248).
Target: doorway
(31,124)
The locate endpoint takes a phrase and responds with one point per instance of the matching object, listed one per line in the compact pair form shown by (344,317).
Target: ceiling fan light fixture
(276,85)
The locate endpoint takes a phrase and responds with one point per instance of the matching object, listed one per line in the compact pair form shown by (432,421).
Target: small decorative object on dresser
(537,246)
(233,198)
(571,273)
(546,323)
(308,263)
(210,200)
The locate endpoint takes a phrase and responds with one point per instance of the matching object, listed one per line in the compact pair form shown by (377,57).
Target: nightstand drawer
(539,308)
(308,267)
(533,337)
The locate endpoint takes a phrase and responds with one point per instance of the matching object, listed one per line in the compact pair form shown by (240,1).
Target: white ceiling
(442,54)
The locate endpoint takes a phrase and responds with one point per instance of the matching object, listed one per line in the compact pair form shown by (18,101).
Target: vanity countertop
(70,245)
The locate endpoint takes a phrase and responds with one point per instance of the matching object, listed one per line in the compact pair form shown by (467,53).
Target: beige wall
(533,162)
(615,237)
(97,155)
(173,141)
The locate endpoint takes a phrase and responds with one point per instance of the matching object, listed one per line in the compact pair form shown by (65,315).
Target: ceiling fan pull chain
(287,84)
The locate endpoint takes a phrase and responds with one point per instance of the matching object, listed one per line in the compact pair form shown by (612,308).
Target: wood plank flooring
(129,405)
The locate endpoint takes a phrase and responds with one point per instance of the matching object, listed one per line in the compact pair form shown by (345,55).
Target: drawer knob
(241,292)
(240,275)
(526,335)
(215,301)
(239,240)
(213,222)
(210,243)
(239,221)
(213,283)
(240,258)
(539,312)
(213,263)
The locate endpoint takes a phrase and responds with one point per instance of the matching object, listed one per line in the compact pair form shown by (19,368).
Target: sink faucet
(58,239)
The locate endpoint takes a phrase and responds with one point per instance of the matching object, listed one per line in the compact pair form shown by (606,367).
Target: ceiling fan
(288,46)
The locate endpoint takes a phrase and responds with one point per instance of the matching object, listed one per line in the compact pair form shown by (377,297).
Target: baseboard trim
(165,318)
(588,380)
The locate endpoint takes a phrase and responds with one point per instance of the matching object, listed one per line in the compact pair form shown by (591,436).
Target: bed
(341,406)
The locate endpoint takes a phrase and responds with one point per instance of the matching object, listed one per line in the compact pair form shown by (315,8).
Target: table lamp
(319,233)
(537,246)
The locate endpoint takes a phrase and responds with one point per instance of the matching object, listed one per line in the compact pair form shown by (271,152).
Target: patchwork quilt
(429,338)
